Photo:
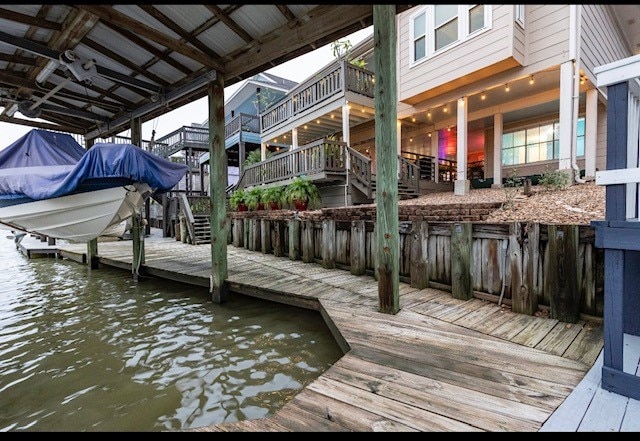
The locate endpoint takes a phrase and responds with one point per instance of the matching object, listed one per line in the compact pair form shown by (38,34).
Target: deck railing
(242,123)
(321,156)
(619,234)
(184,137)
(316,91)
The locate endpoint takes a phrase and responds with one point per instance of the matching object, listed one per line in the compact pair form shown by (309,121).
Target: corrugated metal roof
(147,54)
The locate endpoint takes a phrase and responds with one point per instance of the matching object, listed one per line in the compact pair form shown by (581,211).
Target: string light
(507,88)
(531,80)
(413,119)
(483,96)
(429,113)
(445,110)
(429,134)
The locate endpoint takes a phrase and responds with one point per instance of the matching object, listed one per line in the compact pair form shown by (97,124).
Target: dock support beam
(136,219)
(218,183)
(386,129)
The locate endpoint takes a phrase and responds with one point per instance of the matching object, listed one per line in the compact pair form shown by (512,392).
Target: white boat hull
(80,217)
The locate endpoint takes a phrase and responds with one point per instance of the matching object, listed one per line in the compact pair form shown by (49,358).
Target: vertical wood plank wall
(516,257)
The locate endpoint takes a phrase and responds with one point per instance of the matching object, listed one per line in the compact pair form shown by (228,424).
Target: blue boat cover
(41,147)
(103,165)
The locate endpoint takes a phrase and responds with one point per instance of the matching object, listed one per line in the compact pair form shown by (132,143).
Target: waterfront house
(485,93)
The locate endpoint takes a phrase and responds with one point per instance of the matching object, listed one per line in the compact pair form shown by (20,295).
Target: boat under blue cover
(44,165)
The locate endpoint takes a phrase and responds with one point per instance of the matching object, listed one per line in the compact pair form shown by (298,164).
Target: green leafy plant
(554,179)
(302,193)
(254,198)
(255,156)
(273,197)
(238,200)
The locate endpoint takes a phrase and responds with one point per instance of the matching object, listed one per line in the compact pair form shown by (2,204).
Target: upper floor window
(435,28)
(419,36)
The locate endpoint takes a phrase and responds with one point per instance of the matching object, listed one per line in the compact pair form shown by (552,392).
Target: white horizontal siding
(601,42)
(474,54)
(547,34)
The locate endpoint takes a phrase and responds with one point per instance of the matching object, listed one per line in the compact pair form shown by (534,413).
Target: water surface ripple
(84,350)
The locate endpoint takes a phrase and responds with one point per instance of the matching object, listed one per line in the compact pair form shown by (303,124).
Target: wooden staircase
(404,191)
(201,229)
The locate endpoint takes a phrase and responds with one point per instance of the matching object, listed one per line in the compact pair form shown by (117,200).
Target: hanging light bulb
(483,96)
(507,88)
(531,80)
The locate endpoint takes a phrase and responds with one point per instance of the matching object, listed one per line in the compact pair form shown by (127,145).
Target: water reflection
(88,350)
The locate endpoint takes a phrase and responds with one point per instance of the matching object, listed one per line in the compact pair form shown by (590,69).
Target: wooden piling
(420,255)
(329,243)
(563,255)
(461,269)
(357,256)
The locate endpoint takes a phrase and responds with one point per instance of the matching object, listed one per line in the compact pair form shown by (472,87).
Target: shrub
(555,179)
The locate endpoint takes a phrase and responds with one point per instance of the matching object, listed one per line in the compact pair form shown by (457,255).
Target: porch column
(436,156)
(462,184)
(294,138)
(498,120)
(242,153)
(263,152)
(345,124)
(566,116)
(218,285)
(591,133)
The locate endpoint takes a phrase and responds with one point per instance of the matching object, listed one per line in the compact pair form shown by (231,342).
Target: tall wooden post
(218,183)
(92,245)
(385,97)
(136,219)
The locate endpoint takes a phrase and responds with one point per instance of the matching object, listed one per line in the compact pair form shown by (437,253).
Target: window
(419,36)
(520,15)
(446,26)
(539,143)
(436,28)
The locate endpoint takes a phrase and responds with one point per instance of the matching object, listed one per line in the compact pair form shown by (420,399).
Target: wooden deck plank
(534,332)
(387,408)
(587,344)
(558,340)
(356,418)
(461,310)
(473,407)
(480,315)
(510,329)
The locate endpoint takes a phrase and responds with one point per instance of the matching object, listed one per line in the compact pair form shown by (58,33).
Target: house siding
(547,29)
(519,38)
(483,50)
(601,41)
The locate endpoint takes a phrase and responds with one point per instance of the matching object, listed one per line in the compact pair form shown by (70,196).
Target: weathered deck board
(438,364)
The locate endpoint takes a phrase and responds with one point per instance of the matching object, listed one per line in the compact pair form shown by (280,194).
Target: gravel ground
(577,204)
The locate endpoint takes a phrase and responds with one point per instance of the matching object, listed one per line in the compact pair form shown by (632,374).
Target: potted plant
(273,197)
(254,199)
(302,193)
(237,200)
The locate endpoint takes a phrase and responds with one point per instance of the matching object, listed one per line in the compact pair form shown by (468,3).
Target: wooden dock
(440,364)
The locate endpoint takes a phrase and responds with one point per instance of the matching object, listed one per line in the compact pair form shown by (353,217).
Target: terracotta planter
(274,206)
(242,207)
(300,205)
(260,206)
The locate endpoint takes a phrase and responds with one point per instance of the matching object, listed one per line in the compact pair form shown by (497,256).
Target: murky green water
(85,350)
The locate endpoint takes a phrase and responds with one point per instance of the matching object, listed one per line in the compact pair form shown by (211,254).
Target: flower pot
(301,205)
(242,207)
(274,205)
(260,206)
